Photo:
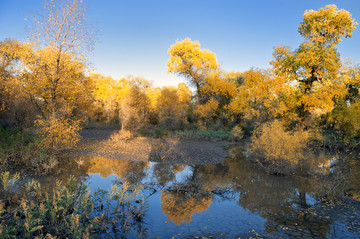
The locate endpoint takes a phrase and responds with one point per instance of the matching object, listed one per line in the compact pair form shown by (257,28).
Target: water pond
(232,199)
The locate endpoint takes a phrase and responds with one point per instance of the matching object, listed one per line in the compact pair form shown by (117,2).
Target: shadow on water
(232,198)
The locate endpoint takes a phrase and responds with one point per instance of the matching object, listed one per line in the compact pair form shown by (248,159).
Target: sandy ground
(99,143)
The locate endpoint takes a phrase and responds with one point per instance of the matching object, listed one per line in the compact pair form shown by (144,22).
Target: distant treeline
(309,95)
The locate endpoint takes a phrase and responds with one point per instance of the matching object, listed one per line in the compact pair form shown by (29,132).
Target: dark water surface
(232,199)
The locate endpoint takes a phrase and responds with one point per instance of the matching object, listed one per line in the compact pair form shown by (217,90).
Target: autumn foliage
(275,146)
(45,85)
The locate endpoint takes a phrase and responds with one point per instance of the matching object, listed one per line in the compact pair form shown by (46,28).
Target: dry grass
(121,135)
(279,150)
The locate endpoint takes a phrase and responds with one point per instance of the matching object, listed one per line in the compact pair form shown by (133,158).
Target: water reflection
(131,171)
(166,173)
(179,205)
(287,204)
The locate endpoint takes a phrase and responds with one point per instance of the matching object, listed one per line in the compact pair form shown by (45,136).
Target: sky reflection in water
(229,199)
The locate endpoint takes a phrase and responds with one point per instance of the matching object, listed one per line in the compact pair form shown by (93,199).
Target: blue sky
(134,36)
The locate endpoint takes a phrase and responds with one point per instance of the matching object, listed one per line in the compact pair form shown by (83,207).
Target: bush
(24,149)
(121,135)
(278,150)
(71,212)
(159,132)
(237,133)
(59,133)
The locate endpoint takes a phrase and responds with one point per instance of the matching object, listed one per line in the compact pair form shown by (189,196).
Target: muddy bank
(99,143)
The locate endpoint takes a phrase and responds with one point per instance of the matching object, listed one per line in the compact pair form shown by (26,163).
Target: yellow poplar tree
(15,107)
(61,36)
(172,105)
(346,113)
(259,96)
(108,95)
(11,51)
(220,89)
(135,106)
(313,67)
(189,60)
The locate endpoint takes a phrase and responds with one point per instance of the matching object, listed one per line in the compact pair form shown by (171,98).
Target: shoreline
(97,142)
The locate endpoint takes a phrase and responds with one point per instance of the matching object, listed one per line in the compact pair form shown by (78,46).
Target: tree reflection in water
(166,173)
(287,203)
(132,172)
(283,201)
(180,202)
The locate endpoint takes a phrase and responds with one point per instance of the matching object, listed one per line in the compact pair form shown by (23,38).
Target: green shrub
(154,132)
(215,135)
(8,185)
(24,149)
(146,132)
(72,212)
(159,132)
(337,139)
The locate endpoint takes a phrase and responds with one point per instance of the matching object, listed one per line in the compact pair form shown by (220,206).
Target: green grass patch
(210,134)
(157,132)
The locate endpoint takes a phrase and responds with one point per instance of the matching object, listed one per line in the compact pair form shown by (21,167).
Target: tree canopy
(189,60)
(315,64)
